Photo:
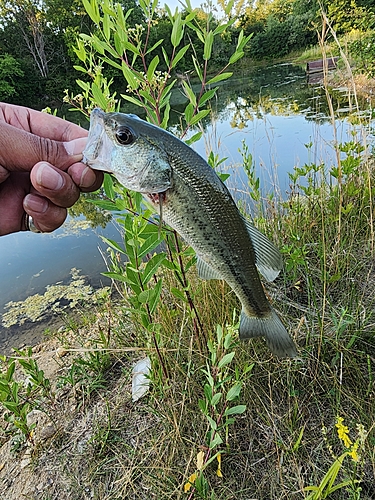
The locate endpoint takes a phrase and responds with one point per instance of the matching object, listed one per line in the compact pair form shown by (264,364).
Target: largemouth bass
(196,203)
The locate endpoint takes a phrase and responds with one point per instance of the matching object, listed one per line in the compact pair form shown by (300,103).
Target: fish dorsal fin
(268,259)
(205,271)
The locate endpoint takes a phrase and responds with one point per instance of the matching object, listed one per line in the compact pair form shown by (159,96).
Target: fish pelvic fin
(268,258)
(271,328)
(205,271)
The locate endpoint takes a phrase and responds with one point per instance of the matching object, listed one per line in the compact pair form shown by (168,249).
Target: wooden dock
(321,65)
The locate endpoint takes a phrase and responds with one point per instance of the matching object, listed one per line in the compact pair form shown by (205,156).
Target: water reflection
(31,262)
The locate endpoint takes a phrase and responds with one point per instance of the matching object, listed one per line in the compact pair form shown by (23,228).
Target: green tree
(28,17)
(337,13)
(10,70)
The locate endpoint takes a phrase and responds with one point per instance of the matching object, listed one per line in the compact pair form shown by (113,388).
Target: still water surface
(273,109)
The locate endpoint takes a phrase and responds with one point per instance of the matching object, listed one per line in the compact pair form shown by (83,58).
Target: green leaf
(208,43)
(189,110)
(144,296)
(197,68)
(152,67)
(177,31)
(10,371)
(107,25)
(234,392)
(159,42)
(155,296)
(180,54)
(194,138)
(189,93)
(116,276)
(216,398)
(216,441)
(130,77)
(178,294)
(133,100)
(80,50)
(92,10)
(212,422)
(219,78)
(202,405)
(113,244)
(120,18)
(226,359)
(84,85)
(80,68)
(165,55)
(152,242)
(228,7)
(235,410)
(108,186)
(199,116)
(118,44)
(152,266)
(207,96)
(235,57)
(99,97)
(207,389)
(165,121)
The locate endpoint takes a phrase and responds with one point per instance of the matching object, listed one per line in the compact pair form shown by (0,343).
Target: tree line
(37,38)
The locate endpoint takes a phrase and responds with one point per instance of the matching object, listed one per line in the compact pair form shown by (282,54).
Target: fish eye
(125,136)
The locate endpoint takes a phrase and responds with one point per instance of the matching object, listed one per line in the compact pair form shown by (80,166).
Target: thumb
(20,150)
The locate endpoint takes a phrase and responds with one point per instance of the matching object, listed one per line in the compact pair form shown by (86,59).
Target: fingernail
(35,203)
(88,178)
(47,177)
(76,146)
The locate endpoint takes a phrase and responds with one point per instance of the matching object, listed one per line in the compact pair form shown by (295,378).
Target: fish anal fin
(205,271)
(268,258)
(271,328)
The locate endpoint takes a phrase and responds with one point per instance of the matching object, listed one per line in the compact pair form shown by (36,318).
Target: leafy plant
(150,82)
(221,392)
(18,398)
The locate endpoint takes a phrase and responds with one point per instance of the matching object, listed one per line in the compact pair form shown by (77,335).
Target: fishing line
(161,196)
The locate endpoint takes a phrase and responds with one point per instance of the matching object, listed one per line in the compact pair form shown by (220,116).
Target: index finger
(41,124)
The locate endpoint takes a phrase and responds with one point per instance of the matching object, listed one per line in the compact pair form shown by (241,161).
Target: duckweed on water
(55,299)
(74,226)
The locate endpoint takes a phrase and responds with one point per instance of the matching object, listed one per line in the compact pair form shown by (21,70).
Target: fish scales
(198,205)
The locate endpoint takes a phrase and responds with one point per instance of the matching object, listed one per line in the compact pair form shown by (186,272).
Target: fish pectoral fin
(205,271)
(271,328)
(268,258)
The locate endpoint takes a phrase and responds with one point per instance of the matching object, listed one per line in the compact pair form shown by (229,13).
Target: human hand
(41,173)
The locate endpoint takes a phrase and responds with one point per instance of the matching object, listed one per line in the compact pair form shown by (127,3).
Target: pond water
(273,109)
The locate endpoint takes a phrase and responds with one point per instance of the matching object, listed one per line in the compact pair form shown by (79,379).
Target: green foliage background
(37,38)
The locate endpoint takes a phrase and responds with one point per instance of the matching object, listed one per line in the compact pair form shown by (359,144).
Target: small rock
(47,432)
(25,462)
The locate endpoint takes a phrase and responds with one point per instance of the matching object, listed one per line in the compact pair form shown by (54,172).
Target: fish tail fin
(271,328)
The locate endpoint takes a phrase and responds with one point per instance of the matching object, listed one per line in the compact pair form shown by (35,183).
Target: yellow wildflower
(354,452)
(190,482)
(343,432)
(218,472)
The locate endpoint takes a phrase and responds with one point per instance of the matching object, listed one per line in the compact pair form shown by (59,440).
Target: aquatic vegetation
(55,299)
